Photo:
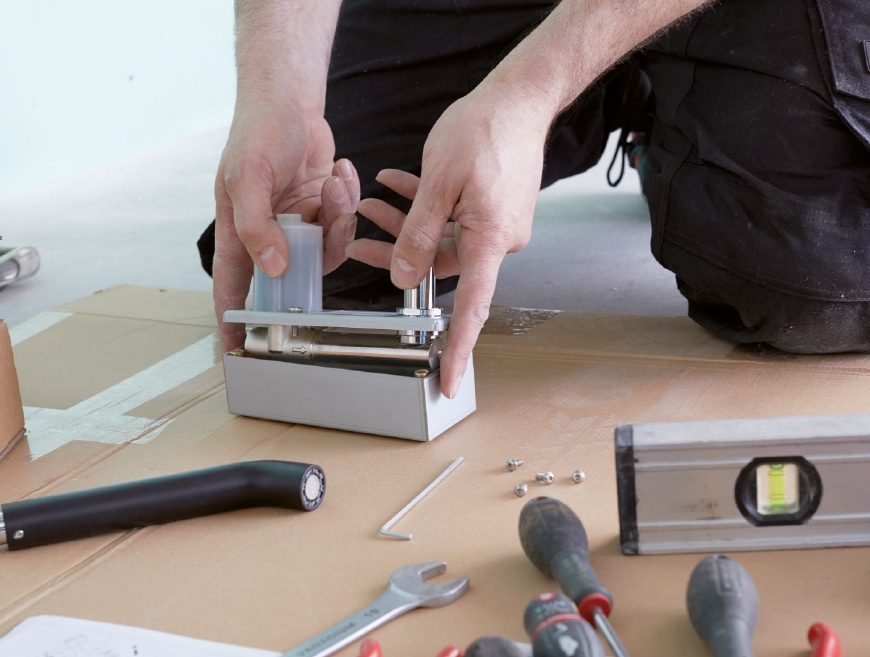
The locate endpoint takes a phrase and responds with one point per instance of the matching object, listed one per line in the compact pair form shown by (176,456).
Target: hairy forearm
(283,49)
(577,43)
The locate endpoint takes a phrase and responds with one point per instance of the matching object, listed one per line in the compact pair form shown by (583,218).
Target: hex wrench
(385,530)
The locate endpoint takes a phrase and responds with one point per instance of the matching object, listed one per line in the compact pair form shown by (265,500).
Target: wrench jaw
(411,580)
(448,592)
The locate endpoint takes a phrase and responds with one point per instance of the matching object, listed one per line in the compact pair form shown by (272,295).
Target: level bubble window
(777,489)
(772,491)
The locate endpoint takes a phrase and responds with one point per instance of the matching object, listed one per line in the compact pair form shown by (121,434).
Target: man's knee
(743,312)
(761,179)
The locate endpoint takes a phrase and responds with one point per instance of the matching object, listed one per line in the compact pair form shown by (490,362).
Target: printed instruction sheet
(57,636)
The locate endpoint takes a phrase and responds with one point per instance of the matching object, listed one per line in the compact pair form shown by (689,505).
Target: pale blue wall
(85,82)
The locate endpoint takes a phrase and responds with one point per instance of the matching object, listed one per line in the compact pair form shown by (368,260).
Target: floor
(136,221)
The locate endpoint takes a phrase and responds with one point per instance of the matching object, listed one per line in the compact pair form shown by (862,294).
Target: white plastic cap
(289,219)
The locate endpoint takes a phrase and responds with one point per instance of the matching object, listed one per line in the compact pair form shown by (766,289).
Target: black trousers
(759,147)
(760,200)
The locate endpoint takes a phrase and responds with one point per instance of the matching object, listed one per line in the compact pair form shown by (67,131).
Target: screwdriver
(494,645)
(824,641)
(554,539)
(372,648)
(556,630)
(723,606)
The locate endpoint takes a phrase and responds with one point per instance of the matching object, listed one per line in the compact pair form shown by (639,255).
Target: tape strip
(34,325)
(102,418)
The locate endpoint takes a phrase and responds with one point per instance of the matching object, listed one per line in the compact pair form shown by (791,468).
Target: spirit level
(748,484)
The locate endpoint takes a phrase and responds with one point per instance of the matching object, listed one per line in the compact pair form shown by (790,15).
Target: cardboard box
(127,385)
(11,412)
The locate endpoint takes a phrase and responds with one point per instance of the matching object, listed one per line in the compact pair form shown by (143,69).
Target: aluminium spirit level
(746,484)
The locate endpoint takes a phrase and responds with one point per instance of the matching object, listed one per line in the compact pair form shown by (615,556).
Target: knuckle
(522,237)
(245,171)
(248,232)
(417,239)
(479,313)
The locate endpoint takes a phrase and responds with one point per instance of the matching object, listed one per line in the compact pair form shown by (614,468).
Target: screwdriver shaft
(608,633)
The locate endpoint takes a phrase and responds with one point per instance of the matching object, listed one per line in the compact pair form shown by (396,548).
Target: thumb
(255,225)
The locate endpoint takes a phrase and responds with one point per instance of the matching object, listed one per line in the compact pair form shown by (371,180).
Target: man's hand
(482,169)
(280,152)
(483,160)
(275,165)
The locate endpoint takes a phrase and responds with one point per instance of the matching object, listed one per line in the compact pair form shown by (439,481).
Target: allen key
(385,530)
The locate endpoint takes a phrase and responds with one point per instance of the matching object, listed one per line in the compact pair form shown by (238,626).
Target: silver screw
(545,477)
(513,464)
(578,476)
(18,535)
(521,489)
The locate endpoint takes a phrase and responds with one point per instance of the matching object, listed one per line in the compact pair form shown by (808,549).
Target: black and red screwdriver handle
(554,540)
(40,521)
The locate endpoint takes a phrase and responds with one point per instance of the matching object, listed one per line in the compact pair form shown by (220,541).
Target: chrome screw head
(578,476)
(545,477)
(513,464)
(521,489)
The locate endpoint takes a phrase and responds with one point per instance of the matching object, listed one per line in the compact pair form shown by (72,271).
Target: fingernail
(271,262)
(404,275)
(345,170)
(337,191)
(350,232)
(454,389)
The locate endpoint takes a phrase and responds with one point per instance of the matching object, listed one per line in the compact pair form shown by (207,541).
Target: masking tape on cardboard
(34,325)
(102,418)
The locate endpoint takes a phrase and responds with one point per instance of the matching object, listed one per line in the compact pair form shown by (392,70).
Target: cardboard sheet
(127,384)
(11,413)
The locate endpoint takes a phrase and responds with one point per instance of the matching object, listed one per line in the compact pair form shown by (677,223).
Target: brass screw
(421,374)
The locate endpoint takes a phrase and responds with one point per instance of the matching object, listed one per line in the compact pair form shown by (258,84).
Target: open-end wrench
(407,590)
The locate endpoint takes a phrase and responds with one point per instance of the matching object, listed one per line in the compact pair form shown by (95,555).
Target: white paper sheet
(58,636)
